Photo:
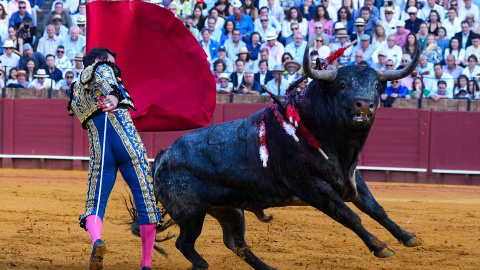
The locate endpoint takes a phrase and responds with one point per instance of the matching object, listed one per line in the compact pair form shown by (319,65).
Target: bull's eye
(342,86)
(376,86)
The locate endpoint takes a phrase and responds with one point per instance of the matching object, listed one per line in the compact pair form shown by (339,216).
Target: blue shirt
(367,55)
(296,52)
(232,50)
(402,91)
(72,48)
(245,25)
(15,19)
(67,4)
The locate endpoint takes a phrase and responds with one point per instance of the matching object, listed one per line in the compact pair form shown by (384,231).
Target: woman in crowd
(198,19)
(455,49)
(220,21)
(442,40)
(17,41)
(409,47)
(321,15)
(411,3)
(349,5)
(432,51)
(286,57)
(472,69)
(224,8)
(462,84)
(293,15)
(12,77)
(320,47)
(345,18)
(422,34)
(254,46)
(249,9)
(473,89)
(4,20)
(228,28)
(379,36)
(31,70)
(418,90)
(219,67)
(307,9)
(434,22)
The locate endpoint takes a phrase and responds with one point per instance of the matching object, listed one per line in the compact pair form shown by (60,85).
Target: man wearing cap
(272,22)
(389,22)
(41,81)
(52,71)
(392,50)
(243,22)
(234,44)
(18,17)
(209,46)
(292,67)
(275,48)
(264,55)
(223,85)
(249,86)
(222,55)
(366,48)
(401,34)
(81,23)
(413,23)
(277,85)
(74,43)
(382,61)
(48,45)
(337,26)
(342,38)
(467,8)
(297,47)
(319,32)
(264,27)
(424,13)
(8,58)
(21,80)
(452,24)
(28,54)
(66,19)
(78,66)
(374,11)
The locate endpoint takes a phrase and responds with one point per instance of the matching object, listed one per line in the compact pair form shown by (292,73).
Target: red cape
(163,65)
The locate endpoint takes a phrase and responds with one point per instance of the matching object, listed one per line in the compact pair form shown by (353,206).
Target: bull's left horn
(391,75)
(324,75)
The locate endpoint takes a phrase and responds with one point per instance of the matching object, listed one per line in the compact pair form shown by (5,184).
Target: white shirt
(232,50)
(396,13)
(459,55)
(425,12)
(263,34)
(47,82)
(452,28)
(287,31)
(394,53)
(206,48)
(47,46)
(216,35)
(9,62)
(471,75)
(254,65)
(431,83)
(463,11)
(296,52)
(271,22)
(64,64)
(391,27)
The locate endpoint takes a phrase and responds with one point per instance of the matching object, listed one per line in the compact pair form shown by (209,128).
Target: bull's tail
(135,226)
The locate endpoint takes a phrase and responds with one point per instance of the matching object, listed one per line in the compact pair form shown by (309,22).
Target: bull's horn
(392,75)
(324,75)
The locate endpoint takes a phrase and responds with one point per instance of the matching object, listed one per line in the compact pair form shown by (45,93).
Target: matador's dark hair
(97,52)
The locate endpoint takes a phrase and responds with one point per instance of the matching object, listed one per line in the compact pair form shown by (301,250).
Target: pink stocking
(94,229)
(147,233)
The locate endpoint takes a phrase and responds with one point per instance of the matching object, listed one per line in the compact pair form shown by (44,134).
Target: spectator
(292,68)
(345,18)
(82,12)
(223,85)
(250,9)
(173,9)
(275,10)
(8,58)
(295,29)
(13,6)
(357,58)
(379,36)
(396,90)
(388,4)
(65,84)
(198,19)
(29,54)
(369,22)
(349,5)
(473,89)
(294,16)
(442,40)
(81,23)
(41,81)
(424,66)
(297,47)
(237,77)
(68,6)
(18,17)
(472,69)
(432,51)
(433,23)
(462,85)
(422,35)
(390,23)
(21,79)
(243,54)
(274,47)
(58,10)
(264,55)
(452,25)
(184,7)
(319,33)
(249,85)
(254,46)
(277,85)
(342,38)
(48,45)
(418,90)
(222,55)
(227,34)
(243,23)
(465,36)
(78,66)
(220,22)
(374,12)
(401,34)
(464,10)
(322,16)
(272,22)
(233,45)
(287,57)
(393,51)
(318,46)
(264,27)
(302,85)
(408,81)
(26,31)
(74,43)
(17,41)
(331,11)
(60,29)
(189,24)
(62,61)
(30,69)
(405,12)
(474,49)
(307,9)
(452,68)
(382,61)
(224,8)
(409,47)
(209,46)
(389,65)
(441,92)
(219,67)
(413,23)
(359,27)
(431,82)
(263,75)
(215,34)
(366,48)
(12,77)
(431,5)
(52,71)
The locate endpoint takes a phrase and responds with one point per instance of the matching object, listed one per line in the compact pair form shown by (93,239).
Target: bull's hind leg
(367,204)
(190,229)
(232,221)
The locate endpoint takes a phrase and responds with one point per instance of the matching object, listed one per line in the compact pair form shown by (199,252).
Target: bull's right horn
(391,75)
(324,75)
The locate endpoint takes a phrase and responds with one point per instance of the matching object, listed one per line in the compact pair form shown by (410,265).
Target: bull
(217,170)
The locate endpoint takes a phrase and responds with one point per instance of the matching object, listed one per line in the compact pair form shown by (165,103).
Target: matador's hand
(110,103)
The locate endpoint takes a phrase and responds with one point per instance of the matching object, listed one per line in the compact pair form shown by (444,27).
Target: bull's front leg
(323,197)
(367,204)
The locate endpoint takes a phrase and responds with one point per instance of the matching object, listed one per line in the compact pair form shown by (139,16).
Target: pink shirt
(327,27)
(401,39)
(275,52)
(13,7)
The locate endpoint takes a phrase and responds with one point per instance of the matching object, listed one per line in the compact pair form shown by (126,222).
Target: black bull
(217,170)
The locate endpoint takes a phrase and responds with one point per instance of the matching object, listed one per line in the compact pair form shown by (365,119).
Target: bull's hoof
(414,242)
(199,267)
(384,253)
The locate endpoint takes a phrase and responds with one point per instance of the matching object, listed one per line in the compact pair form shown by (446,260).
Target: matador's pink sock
(94,229)
(147,233)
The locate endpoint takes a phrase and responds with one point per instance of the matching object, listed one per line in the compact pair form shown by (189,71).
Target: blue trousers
(124,150)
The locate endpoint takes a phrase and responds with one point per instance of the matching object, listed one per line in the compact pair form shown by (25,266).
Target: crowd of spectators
(268,38)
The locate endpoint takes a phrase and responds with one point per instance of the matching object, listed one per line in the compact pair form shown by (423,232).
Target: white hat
(8,43)
(271,35)
(360,21)
(41,73)
(223,76)
(400,23)
(412,10)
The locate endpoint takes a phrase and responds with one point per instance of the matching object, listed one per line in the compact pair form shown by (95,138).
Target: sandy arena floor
(39,230)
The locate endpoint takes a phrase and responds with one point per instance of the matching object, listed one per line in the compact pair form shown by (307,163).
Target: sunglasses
(69,77)
(359,25)
(389,65)
(319,40)
(22,7)
(57,20)
(404,60)
(60,51)
(264,20)
(395,81)
(316,27)
(8,48)
(294,28)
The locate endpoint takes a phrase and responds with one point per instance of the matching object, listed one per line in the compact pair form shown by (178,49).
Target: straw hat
(342,33)
(81,19)
(243,50)
(271,36)
(57,17)
(278,68)
(360,21)
(285,65)
(21,73)
(41,73)
(78,57)
(223,76)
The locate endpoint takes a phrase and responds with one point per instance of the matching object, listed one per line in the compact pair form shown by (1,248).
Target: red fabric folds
(163,65)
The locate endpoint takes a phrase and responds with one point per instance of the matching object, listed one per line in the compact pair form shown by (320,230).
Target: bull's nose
(364,107)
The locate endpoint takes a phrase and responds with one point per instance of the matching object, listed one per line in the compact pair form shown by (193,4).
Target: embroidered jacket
(97,80)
